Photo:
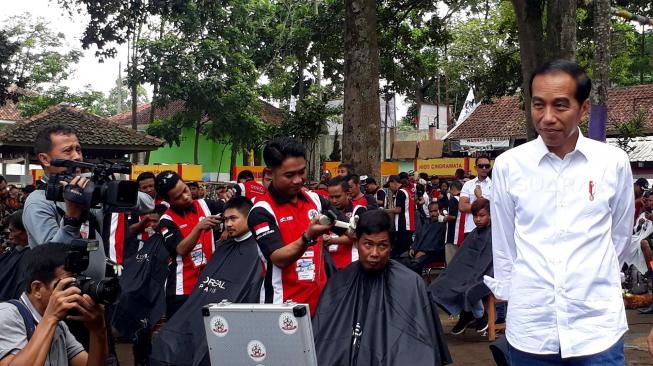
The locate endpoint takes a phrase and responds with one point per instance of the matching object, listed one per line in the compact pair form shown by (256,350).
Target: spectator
(247,186)
(459,175)
(357,196)
(428,246)
(372,188)
(474,189)
(404,214)
(640,186)
(267,178)
(32,331)
(12,261)
(455,218)
(345,169)
(341,247)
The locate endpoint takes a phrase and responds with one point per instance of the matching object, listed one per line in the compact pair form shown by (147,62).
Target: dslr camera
(102,188)
(104,291)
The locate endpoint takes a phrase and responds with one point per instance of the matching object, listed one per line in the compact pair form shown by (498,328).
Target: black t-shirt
(451,225)
(380,196)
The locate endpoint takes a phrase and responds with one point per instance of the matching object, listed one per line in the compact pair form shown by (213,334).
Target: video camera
(104,291)
(103,188)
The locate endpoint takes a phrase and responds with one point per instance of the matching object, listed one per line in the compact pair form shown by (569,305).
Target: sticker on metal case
(256,350)
(219,326)
(288,323)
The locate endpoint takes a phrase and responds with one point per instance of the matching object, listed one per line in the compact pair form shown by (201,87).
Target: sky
(101,76)
(89,71)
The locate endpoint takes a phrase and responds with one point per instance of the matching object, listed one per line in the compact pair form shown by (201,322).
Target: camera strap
(28,318)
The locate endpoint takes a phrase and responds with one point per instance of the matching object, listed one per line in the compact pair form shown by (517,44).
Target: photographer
(32,331)
(62,222)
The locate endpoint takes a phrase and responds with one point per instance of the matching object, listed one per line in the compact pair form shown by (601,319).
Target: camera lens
(104,291)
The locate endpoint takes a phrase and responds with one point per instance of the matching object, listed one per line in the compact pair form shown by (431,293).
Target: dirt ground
(470,349)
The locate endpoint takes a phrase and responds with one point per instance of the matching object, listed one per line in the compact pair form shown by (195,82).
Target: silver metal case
(259,334)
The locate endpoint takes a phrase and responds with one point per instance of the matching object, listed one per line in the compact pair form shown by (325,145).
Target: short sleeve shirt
(13,335)
(468,191)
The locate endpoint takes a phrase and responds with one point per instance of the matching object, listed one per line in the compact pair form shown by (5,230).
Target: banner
(187,172)
(387,168)
(446,166)
(257,170)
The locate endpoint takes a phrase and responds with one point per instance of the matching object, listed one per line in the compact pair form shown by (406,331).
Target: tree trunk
(234,156)
(198,129)
(536,46)
(361,115)
(529,25)
(601,68)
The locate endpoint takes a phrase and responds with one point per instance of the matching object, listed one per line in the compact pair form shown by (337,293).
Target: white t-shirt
(468,191)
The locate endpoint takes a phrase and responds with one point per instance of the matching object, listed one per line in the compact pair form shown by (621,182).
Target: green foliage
(40,61)
(629,130)
(88,100)
(7,76)
(308,121)
(168,129)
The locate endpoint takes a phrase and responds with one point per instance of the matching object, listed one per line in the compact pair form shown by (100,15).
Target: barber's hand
(641,221)
(315,229)
(208,223)
(411,252)
(419,254)
(63,299)
(649,340)
(75,209)
(90,313)
(478,192)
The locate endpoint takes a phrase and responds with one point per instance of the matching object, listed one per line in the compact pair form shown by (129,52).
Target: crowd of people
(179,249)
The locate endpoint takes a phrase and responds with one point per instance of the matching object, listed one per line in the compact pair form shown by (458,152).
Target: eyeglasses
(483,166)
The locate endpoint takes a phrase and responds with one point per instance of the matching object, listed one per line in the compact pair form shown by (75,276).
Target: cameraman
(32,331)
(62,222)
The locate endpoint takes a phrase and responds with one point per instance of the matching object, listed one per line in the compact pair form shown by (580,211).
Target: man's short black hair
(481,157)
(42,262)
(2,179)
(424,176)
(193,184)
(245,174)
(433,203)
(240,203)
(339,181)
(583,82)
(354,178)
(16,220)
(281,148)
(460,173)
(29,188)
(164,182)
(372,222)
(43,143)
(456,184)
(348,166)
(145,175)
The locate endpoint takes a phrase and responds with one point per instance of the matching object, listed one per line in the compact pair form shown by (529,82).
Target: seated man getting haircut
(376,311)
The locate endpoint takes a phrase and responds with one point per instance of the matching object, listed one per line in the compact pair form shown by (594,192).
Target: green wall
(214,157)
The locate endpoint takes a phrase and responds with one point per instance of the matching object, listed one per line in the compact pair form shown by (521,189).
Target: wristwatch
(308,241)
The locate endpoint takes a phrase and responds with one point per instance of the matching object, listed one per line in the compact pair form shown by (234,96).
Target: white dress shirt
(468,191)
(558,245)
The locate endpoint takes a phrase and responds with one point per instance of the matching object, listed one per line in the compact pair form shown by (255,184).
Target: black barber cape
(235,274)
(12,273)
(398,323)
(429,238)
(461,285)
(142,301)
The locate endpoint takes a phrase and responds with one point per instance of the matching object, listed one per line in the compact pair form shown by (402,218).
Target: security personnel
(285,223)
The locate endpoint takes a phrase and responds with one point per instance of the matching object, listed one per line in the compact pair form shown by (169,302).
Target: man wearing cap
(404,214)
(641,185)
(372,188)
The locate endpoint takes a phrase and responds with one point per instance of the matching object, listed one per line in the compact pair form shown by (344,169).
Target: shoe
(466,319)
(648,310)
(481,323)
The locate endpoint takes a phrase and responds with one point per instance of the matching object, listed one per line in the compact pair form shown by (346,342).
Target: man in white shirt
(562,211)
(481,186)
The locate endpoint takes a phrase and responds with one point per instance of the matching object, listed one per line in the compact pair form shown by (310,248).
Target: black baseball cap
(369,180)
(392,178)
(642,183)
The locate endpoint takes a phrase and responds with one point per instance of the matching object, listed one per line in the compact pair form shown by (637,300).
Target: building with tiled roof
(269,113)
(99,138)
(504,118)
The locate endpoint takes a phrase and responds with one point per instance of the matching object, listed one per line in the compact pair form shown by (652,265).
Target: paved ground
(471,349)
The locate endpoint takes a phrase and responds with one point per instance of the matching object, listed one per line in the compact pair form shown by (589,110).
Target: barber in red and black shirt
(187,229)
(285,223)
(248,187)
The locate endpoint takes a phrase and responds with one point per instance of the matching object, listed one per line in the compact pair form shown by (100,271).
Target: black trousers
(173,303)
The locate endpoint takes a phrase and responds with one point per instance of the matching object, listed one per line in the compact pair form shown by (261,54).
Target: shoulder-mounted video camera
(102,188)
(105,291)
